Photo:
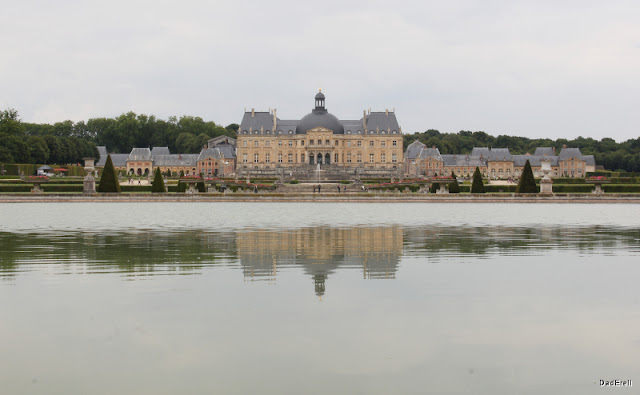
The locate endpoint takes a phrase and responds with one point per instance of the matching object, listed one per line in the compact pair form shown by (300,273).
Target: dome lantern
(320,101)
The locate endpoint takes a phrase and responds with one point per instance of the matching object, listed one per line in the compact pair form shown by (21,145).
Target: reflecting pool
(165,298)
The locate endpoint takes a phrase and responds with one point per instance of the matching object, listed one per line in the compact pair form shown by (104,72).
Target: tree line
(69,142)
(607,152)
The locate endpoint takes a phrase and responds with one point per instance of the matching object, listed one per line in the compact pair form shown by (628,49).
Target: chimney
(386,111)
(434,147)
(554,150)
(364,119)
(564,146)
(275,123)
(252,112)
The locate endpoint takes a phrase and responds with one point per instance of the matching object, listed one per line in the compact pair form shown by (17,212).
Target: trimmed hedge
(15,188)
(62,188)
(135,188)
(621,188)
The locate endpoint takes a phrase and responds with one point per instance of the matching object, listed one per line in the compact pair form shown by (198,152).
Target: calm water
(167,298)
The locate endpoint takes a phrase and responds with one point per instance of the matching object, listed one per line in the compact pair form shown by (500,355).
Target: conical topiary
(158,182)
(453,185)
(527,183)
(109,180)
(478,185)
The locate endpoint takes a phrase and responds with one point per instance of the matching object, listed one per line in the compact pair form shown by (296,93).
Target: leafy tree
(477,186)
(527,183)
(453,185)
(158,182)
(434,187)
(109,180)
(38,150)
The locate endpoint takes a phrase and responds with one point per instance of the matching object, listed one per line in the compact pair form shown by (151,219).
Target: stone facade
(268,145)
(496,163)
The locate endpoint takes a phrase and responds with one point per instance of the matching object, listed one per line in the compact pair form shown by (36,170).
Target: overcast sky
(526,68)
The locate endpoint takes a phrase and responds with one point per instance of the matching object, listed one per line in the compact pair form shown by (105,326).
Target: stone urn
(37,181)
(89,182)
(546,183)
(191,182)
(597,182)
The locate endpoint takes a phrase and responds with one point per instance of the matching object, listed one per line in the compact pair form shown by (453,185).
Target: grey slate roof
(210,153)
(227,150)
(477,151)
(377,122)
(102,150)
(499,154)
(140,154)
(544,151)
(430,153)
(534,160)
(160,151)
(118,160)
(256,122)
(492,154)
(175,160)
(591,161)
(463,160)
(567,153)
(413,150)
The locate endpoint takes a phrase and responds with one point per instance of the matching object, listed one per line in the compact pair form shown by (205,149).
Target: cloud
(537,69)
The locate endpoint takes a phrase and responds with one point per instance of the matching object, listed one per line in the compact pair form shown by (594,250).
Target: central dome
(319,117)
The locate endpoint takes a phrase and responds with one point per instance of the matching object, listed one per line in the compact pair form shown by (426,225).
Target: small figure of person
(139,182)
(255,189)
(318,188)
(314,189)
(338,188)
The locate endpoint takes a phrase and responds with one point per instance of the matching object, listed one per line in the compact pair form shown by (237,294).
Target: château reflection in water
(319,252)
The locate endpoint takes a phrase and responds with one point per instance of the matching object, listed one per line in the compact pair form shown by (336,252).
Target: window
(256,158)
(371,143)
(383,158)
(359,158)
(279,158)
(244,143)
(290,143)
(337,143)
(280,143)
(348,143)
(371,158)
(267,157)
(302,143)
(348,158)
(319,142)
(383,143)
(395,143)
(302,157)
(290,158)
(359,143)
(244,158)
(335,158)
(267,143)
(256,143)
(394,158)
(310,142)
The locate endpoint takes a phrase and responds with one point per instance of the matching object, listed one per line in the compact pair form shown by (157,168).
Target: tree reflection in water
(319,251)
